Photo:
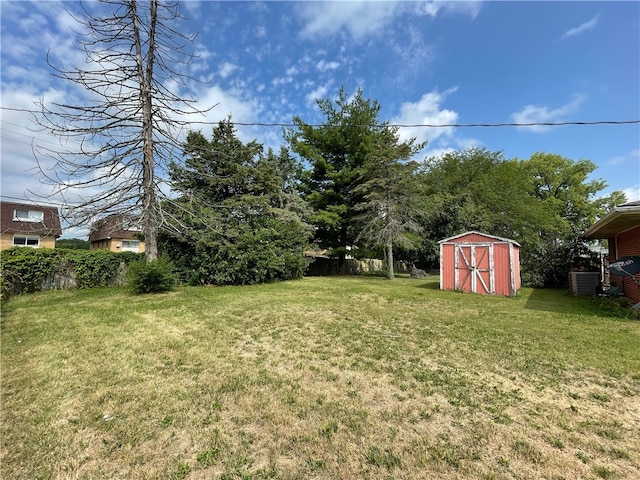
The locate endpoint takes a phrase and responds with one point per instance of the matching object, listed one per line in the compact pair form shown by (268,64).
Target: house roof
(115,226)
(49,225)
(620,219)
(473,232)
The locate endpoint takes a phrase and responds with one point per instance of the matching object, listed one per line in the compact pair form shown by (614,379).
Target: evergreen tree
(336,153)
(239,214)
(389,189)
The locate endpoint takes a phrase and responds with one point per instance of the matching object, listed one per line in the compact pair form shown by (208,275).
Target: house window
(130,246)
(28,215)
(26,241)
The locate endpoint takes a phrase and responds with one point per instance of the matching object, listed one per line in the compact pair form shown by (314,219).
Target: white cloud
(450,144)
(201,57)
(363,18)
(281,81)
(433,7)
(19,138)
(358,18)
(437,153)
(243,108)
(632,157)
(542,114)
(616,160)
(632,193)
(193,8)
(319,92)
(426,111)
(324,66)
(581,28)
(226,69)
(412,51)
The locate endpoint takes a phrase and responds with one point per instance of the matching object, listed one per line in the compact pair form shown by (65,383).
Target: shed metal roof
(474,232)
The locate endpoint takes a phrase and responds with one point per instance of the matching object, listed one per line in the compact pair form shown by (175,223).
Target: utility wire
(449,125)
(39,202)
(406,125)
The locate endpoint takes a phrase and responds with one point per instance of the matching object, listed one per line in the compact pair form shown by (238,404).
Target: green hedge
(26,270)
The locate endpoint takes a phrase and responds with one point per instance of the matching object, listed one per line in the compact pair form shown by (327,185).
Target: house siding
(623,245)
(46,226)
(111,245)
(111,231)
(6,241)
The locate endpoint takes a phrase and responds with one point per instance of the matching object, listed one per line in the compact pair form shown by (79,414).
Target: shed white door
(474,268)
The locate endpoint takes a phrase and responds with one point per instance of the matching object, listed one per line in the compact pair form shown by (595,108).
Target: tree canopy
(545,203)
(388,212)
(336,153)
(238,214)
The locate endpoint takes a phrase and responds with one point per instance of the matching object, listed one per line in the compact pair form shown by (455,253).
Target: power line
(39,202)
(450,125)
(410,125)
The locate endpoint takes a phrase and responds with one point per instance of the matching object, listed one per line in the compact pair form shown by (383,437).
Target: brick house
(621,228)
(28,225)
(117,233)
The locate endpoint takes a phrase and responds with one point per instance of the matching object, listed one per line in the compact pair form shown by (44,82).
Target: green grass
(325,378)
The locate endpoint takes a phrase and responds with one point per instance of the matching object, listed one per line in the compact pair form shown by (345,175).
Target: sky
(425,63)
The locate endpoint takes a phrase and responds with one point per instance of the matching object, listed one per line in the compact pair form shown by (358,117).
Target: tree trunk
(145,76)
(342,257)
(389,245)
(390,273)
(126,111)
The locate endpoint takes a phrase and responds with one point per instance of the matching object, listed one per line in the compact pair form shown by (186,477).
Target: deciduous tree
(475,189)
(568,198)
(545,203)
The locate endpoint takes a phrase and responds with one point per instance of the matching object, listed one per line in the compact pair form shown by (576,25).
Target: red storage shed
(480,263)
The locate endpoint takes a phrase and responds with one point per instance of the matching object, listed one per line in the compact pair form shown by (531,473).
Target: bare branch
(117,140)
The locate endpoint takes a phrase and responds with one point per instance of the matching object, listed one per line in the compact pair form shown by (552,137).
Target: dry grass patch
(332,378)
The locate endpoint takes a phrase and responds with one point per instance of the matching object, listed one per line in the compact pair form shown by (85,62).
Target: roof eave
(601,229)
(475,232)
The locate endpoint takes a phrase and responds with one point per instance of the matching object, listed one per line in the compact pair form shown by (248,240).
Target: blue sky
(424,62)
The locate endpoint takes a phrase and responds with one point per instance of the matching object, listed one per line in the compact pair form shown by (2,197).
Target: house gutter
(608,218)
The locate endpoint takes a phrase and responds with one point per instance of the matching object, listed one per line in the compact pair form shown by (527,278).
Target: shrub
(27,270)
(99,268)
(151,276)
(23,270)
(269,252)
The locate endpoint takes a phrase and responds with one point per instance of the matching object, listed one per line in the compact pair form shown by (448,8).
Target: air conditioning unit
(584,283)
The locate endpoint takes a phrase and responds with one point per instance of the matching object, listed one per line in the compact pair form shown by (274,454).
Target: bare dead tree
(118,140)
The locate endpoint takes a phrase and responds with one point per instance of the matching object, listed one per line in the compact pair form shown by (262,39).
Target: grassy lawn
(323,378)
